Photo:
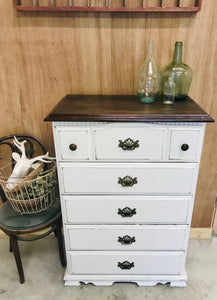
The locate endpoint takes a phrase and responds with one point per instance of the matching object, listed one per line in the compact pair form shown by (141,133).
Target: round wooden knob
(72,147)
(185,147)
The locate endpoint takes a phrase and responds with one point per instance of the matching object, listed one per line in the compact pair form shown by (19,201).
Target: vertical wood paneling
(44,56)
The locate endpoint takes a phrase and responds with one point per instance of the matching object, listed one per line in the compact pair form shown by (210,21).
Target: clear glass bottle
(52,2)
(35,2)
(148,82)
(169,91)
(179,72)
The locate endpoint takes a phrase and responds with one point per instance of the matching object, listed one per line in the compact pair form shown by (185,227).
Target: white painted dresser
(127,178)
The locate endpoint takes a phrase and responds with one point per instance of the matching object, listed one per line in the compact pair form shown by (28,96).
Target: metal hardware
(126,265)
(128,144)
(185,147)
(127,212)
(126,240)
(72,147)
(127,181)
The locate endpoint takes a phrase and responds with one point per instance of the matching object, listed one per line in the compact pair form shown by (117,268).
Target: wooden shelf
(123,8)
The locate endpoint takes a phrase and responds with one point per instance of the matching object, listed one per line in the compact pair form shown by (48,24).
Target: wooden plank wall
(44,56)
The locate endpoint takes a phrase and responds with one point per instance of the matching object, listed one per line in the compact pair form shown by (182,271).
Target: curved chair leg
(15,249)
(59,236)
(55,233)
(10,247)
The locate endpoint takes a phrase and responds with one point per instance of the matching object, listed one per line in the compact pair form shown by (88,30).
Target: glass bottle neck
(150,48)
(177,58)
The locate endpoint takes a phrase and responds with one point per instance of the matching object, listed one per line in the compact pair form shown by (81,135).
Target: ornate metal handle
(127,181)
(126,240)
(185,147)
(72,147)
(128,144)
(126,265)
(127,212)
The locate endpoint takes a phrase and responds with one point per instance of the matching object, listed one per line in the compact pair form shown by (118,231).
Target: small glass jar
(169,91)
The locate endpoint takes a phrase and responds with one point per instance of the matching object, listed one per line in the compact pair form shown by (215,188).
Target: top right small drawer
(185,144)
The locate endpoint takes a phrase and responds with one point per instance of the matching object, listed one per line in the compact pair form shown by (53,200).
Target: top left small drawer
(73,144)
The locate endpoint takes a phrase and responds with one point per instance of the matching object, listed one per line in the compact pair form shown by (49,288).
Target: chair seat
(12,220)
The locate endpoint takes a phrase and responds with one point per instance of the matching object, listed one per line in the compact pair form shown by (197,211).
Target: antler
(21,146)
(45,158)
(23,164)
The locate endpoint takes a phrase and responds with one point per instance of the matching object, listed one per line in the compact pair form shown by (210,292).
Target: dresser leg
(181,283)
(72,283)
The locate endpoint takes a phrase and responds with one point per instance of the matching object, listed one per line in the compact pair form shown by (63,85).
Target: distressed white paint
(163,199)
(104,209)
(158,179)
(106,262)
(146,237)
(151,142)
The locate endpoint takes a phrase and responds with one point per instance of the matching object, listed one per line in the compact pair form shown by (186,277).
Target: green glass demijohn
(148,81)
(179,72)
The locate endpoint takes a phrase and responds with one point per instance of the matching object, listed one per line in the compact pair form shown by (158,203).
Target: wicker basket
(35,193)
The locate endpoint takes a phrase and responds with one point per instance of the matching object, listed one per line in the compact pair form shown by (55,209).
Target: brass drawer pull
(72,147)
(126,240)
(128,144)
(126,265)
(127,212)
(127,181)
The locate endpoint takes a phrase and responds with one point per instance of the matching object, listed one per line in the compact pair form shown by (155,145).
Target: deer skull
(23,164)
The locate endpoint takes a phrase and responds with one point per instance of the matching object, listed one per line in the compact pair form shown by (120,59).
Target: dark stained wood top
(124,109)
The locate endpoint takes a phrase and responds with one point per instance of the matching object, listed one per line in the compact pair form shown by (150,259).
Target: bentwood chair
(19,227)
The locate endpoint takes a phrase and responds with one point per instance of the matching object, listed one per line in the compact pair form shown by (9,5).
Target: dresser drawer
(122,143)
(125,210)
(114,262)
(118,178)
(126,237)
(73,144)
(185,144)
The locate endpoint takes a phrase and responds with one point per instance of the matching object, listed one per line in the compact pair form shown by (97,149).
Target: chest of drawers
(127,190)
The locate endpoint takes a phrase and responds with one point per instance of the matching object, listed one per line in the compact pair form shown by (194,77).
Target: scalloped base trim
(143,280)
